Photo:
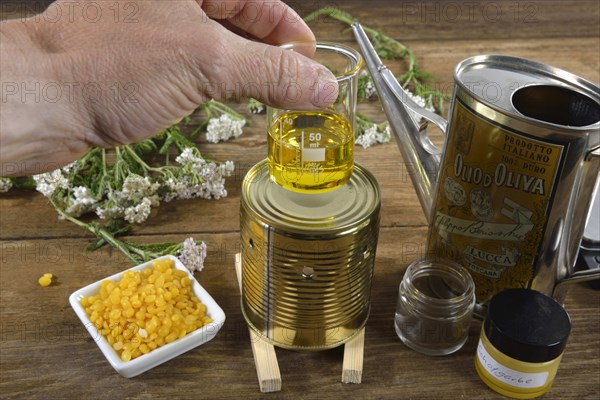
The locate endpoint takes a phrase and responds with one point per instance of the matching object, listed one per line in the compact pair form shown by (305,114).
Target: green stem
(181,142)
(92,153)
(98,231)
(224,109)
(105,176)
(104,173)
(119,172)
(144,255)
(196,131)
(141,162)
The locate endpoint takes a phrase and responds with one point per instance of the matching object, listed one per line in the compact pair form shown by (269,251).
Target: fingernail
(325,89)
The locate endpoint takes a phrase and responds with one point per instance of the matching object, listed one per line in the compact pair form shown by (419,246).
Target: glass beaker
(312,151)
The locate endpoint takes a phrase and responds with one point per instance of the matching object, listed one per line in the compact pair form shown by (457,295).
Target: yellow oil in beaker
(310,151)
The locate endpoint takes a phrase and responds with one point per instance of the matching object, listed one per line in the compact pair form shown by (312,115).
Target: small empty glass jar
(435,305)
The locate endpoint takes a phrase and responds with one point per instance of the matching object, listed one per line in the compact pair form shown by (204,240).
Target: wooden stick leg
(353,359)
(265,359)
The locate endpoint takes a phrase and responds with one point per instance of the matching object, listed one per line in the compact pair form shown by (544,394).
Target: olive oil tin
(517,172)
(307,259)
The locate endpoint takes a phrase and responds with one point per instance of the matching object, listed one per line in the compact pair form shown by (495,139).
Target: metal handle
(576,277)
(593,159)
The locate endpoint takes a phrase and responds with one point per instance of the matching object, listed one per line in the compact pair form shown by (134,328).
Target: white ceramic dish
(129,369)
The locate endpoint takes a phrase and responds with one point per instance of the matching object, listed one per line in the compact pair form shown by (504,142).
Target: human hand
(126,70)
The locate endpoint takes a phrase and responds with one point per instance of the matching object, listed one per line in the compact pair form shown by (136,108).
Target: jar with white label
(521,344)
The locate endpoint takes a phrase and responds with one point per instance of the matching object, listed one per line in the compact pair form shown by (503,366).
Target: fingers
(281,78)
(275,76)
(271,21)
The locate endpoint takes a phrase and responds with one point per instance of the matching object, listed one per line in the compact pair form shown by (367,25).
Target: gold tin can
(307,259)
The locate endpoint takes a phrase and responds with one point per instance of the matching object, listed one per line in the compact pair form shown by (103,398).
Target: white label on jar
(507,375)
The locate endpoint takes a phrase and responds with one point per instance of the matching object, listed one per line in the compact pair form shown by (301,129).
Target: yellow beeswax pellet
(45,280)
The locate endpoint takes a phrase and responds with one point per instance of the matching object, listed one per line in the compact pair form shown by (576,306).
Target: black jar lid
(527,325)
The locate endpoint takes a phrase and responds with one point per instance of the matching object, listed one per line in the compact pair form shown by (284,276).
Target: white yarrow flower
(387,133)
(419,100)
(140,212)
(197,178)
(255,106)
(106,211)
(187,156)
(368,138)
(227,168)
(370,90)
(373,135)
(192,255)
(81,202)
(67,169)
(5,185)
(47,183)
(224,128)
(136,187)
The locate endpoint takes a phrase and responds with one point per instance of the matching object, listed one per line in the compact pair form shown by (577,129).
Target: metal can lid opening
(556,105)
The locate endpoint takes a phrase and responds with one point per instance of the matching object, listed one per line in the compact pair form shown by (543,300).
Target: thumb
(278,77)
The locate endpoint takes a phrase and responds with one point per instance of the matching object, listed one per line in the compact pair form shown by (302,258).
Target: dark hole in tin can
(307,272)
(557,105)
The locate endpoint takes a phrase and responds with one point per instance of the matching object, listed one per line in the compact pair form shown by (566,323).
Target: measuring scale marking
(313,154)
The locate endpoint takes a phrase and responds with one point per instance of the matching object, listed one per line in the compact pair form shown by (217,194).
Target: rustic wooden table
(46,353)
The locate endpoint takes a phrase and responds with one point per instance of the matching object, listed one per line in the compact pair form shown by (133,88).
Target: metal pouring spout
(409,123)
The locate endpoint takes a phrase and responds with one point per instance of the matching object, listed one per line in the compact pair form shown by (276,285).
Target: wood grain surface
(45,352)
